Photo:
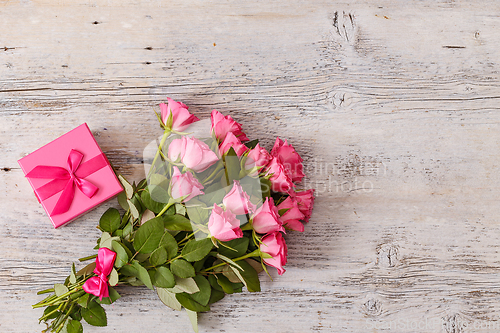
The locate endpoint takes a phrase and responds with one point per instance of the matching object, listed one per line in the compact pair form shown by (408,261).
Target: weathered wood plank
(394,107)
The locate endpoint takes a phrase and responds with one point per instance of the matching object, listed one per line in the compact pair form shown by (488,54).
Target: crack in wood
(344,24)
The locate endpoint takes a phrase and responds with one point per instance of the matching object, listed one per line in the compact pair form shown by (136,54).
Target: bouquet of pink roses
(207,219)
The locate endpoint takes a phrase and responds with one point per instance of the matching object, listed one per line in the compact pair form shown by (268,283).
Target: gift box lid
(57,158)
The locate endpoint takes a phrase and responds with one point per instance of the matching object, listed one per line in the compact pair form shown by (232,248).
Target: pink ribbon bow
(65,179)
(98,285)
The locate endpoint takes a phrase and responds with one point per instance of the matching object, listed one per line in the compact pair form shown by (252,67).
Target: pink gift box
(70,175)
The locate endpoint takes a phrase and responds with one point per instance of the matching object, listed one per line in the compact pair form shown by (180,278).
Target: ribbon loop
(65,180)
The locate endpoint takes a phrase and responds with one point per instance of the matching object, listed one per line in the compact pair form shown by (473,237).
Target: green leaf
(213,282)
(148,236)
(150,203)
(113,278)
(225,284)
(239,244)
(158,194)
(122,200)
(197,214)
(60,289)
(213,194)
(106,240)
(113,296)
(129,190)
(265,185)
(147,215)
(122,256)
(202,296)
(49,309)
(168,298)
(72,276)
(170,244)
(110,221)
(193,317)
(252,144)
(190,304)
(74,326)
(233,167)
(159,256)
(182,268)
(228,272)
(94,314)
(185,286)
(195,250)
(250,276)
(142,274)
(127,230)
(164,278)
(83,300)
(159,179)
(129,270)
(180,209)
(177,222)
(216,296)
(133,209)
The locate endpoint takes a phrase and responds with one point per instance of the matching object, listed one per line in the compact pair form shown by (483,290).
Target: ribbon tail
(65,200)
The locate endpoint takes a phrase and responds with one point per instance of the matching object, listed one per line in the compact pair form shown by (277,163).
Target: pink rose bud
(234,142)
(290,159)
(222,125)
(266,218)
(257,158)
(184,185)
(224,225)
(237,201)
(274,245)
(193,153)
(291,218)
(280,177)
(305,202)
(180,115)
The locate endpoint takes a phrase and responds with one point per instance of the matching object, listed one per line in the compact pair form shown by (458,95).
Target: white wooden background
(392,104)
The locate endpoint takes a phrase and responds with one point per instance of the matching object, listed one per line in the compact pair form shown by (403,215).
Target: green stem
(65,317)
(255,253)
(88,258)
(167,206)
(46,291)
(166,134)
(59,299)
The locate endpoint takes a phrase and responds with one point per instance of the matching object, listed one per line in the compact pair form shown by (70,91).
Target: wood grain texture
(393,105)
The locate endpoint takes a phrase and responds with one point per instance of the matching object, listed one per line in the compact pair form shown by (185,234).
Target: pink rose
(266,218)
(224,225)
(274,245)
(222,125)
(290,159)
(237,201)
(257,158)
(180,115)
(291,218)
(184,186)
(280,176)
(193,153)
(234,142)
(305,202)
